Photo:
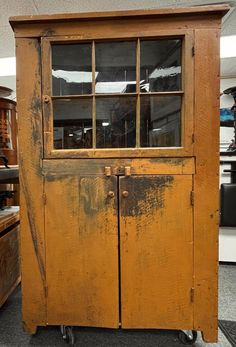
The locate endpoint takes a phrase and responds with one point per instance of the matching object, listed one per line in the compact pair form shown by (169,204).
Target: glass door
(118,98)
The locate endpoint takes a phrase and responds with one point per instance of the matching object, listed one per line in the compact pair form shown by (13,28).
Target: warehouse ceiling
(35,7)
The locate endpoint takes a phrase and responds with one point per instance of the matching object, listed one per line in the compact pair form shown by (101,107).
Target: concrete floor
(11,333)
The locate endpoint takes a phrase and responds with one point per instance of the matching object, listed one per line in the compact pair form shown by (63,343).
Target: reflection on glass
(116,119)
(115,67)
(160,121)
(72,122)
(72,69)
(160,65)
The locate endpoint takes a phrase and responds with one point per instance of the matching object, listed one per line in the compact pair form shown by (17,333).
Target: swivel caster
(188,337)
(67,334)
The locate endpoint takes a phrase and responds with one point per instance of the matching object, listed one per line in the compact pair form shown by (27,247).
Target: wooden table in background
(9,252)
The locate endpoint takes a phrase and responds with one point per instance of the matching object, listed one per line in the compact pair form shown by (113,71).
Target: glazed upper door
(131,97)
(81,233)
(156,251)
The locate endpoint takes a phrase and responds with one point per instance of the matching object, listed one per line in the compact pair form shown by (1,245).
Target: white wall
(9,82)
(226,100)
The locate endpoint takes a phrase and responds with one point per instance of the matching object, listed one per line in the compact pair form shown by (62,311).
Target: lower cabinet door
(156,251)
(81,231)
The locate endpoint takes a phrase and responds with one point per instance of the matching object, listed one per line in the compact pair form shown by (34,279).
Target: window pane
(160,122)
(116,119)
(160,65)
(115,67)
(72,123)
(72,69)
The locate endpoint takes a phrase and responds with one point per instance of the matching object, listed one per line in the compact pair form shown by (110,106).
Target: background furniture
(9,252)
(8,137)
(227,234)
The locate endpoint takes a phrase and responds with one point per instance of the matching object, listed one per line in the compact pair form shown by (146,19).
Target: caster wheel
(67,334)
(188,339)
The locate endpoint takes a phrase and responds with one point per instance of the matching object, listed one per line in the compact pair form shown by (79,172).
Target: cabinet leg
(210,335)
(30,328)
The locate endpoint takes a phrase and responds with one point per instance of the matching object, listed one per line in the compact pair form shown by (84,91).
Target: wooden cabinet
(9,252)
(118,135)
(8,137)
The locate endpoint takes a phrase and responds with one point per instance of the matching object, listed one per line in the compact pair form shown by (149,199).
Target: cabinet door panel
(156,246)
(82,251)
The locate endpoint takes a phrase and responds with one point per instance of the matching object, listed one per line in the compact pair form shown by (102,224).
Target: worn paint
(155,248)
(146,195)
(90,194)
(33,227)
(35,109)
(171,161)
(48,32)
(82,270)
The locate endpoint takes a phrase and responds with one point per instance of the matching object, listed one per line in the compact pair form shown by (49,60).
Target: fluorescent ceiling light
(8,66)
(228,46)
(165,72)
(74,76)
(112,87)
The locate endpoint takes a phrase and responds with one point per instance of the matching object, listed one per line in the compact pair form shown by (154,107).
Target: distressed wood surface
(206,216)
(121,29)
(82,251)
(31,183)
(57,168)
(156,246)
(9,263)
(118,153)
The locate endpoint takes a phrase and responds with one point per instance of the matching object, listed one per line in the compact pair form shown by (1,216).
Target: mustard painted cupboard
(118,154)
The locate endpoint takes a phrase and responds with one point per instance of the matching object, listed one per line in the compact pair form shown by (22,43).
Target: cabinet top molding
(219,10)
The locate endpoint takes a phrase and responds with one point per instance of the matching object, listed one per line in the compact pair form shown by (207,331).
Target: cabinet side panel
(31,182)
(206,181)
(9,263)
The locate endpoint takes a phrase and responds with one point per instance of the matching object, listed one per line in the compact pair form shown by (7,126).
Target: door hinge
(46,291)
(193,138)
(44,199)
(192,294)
(193,51)
(192,197)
